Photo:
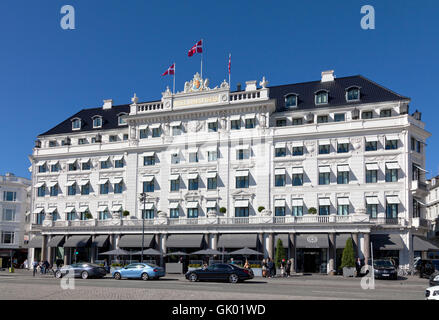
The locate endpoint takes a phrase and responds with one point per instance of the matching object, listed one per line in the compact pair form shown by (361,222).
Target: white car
(432,293)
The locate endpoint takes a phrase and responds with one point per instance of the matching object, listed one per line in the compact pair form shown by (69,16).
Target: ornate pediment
(242,194)
(197,84)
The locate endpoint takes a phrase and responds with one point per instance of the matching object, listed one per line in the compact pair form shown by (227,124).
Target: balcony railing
(245,95)
(151,106)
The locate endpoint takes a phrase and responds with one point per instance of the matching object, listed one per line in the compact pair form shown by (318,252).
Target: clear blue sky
(121,47)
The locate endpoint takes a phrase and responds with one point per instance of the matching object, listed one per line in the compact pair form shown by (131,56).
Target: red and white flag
(170,71)
(230,61)
(197,48)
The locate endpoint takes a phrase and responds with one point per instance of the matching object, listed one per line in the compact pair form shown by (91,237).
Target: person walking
(232,261)
(34,266)
(288,270)
(25,264)
(358,266)
(246,265)
(264,268)
(282,268)
(270,267)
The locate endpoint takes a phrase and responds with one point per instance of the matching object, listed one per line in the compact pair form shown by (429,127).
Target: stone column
(356,246)
(163,248)
(215,241)
(270,246)
(261,241)
(49,250)
(44,248)
(293,252)
(158,243)
(366,251)
(111,240)
(93,249)
(332,254)
(117,241)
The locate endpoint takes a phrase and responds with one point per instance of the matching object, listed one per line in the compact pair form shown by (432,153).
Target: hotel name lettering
(195,101)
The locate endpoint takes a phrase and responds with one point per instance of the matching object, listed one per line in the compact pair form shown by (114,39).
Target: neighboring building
(433,211)
(14,208)
(208,158)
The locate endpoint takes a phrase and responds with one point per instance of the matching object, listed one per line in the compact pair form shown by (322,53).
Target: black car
(82,270)
(434,279)
(425,268)
(384,269)
(220,272)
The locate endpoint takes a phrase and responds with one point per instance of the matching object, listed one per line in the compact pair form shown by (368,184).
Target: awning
(71,161)
(324,202)
(155,126)
(212,148)
(242,147)
(372,200)
(117,158)
(371,139)
(392,165)
(173,205)
(280,145)
(84,160)
(192,204)
(343,168)
(148,178)
(387,242)
(38,210)
(102,181)
(279,171)
(99,241)
(149,206)
(297,203)
(312,241)
(392,199)
(135,241)
(298,170)
(211,204)
(343,141)
(210,120)
(192,150)
(51,210)
(55,241)
(250,116)
(116,180)
(296,144)
(192,176)
(372,166)
(417,166)
(340,240)
(392,137)
(174,177)
(325,169)
(241,173)
(77,241)
(83,182)
(83,209)
(279,203)
(116,208)
(235,117)
(143,127)
(241,203)
(70,183)
(324,142)
(285,239)
(343,201)
(175,123)
(102,208)
(422,244)
(40,184)
(104,159)
(211,174)
(184,241)
(149,154)
(40,163)
(52,183)
(53,162)
(35,242)
(237,241)
(69,209)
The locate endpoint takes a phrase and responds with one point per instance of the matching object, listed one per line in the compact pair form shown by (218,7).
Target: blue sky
(47,73)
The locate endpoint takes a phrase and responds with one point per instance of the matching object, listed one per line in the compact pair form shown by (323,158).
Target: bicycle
(404,271)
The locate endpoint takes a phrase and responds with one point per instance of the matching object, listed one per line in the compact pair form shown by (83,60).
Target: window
(281,122)
(279,180)
(8,214)
(324,178)
(391,175)
(371,176)
(241,212)
(280,152)
(125,136)
(324,149)
(192,213)
(392,211)
(54,167)
(148,186)
(193,157)
(372,210)
(212,183)
(143,133)
(148,214)
(291,101)
(416,172)
(54,191)
(279,211)
(85,189)
(175,159)
(112,138)
(149,160)
(73,166)
(321,97)
(9,196)
(212,155)
(118,187)
(55,215)
(105,164)
(418,146)
(367,115)
(193,184)
(156,132)
(8,237)
(122,119)
(323,210)
(371,146)
(353,94)
(71,190)
(42,168)
(104,188)
(76,124)
(342,147)
(97,122)
(297,211)
(297,121)
(235,124)
(339,117)
(242,154)
(71,215)
(41,191)
(174,213)
(322,119)
(416,209)
(82,141)
(176,130)
(52,143)
(391,144)
(297,179)
(83,215)
(104,215)
(86,165)
(297,151)
(175,185)
(118,163)
(40,218)
(212,126)
(250,123)
(242,182)
(342,177)
(342,210)
(386,113)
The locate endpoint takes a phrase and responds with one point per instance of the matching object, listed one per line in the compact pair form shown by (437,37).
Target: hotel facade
(310,163)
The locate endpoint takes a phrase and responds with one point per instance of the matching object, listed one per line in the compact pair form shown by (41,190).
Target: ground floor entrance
(312,260)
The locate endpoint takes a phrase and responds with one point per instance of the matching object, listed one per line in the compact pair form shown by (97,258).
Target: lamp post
(143,199)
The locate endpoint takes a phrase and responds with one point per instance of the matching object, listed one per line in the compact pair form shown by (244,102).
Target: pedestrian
(34,266)
(106,266)
(264,268)
(246,265)
(358,266)
(288,270)
(25,264)
(232,261)
(282,268)
(270,267)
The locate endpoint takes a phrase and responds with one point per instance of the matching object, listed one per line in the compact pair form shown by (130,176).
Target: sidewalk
(23,272)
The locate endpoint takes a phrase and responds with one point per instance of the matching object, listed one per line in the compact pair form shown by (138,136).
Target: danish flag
(170,71)
(230,62)
(197,48)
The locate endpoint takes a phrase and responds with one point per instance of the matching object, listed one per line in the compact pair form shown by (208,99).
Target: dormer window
(76,124)
(321,97)
(353,94)
(291,101)
(122,119)
(97,122)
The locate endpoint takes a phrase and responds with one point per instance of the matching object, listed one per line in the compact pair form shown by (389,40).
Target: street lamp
(142,198)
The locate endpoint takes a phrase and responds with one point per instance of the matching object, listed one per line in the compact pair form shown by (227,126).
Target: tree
(312,210)
(261,208)
(280,253)
(223,210)
(348,257)
(126,213)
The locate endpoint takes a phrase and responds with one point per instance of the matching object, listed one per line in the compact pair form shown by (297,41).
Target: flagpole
(173,87)
(203,48)
(229,66)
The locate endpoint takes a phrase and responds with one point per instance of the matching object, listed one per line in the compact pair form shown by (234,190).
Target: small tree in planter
(280,253)
(223,210)
(312,210)
(88,215)
(125,213)
(348,259)
(260,208)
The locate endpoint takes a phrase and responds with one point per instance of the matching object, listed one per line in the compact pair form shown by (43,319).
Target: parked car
(425,268)
(384,269)
(144,271)
(432,293)
(434,279)
(220,272)
(82,270)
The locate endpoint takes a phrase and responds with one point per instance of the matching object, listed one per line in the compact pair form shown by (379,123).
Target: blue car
(144,271)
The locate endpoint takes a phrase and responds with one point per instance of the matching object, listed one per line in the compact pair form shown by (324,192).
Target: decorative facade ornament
(196,84)
(134,99)
(266,213)
(224,85)
(263,83)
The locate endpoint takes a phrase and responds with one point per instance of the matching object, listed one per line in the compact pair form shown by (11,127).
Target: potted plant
(223,210)
(280,253)
(88,215)
(312,210)
(348,259)
(260,208)
(125,213)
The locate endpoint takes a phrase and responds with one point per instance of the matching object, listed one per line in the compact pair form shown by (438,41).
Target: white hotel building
(209,158)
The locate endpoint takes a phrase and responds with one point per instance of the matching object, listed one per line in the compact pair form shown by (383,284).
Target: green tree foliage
(280,253)
(348,257)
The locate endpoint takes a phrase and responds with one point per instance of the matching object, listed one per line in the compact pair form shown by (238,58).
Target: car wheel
(233,278)
(145,276)
(58,274)
(84,275)
(193,277)
(117,276)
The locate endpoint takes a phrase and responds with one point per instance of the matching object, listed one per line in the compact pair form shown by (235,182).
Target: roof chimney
(250,85)
(107,104)
(328,76)
(238,87)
